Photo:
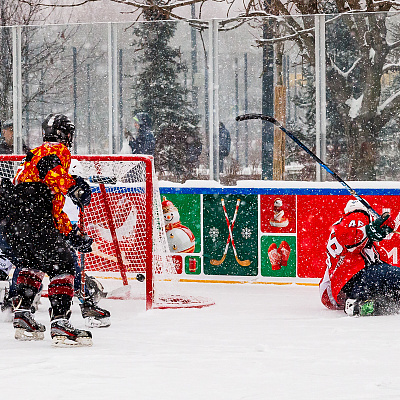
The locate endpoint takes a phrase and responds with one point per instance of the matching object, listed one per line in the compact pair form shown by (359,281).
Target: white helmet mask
(354,205)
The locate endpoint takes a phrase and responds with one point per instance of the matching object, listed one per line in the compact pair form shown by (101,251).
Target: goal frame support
(148,161)
(156,259)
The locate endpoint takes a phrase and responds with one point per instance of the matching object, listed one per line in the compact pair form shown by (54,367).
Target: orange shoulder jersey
(348,251)
(49,164)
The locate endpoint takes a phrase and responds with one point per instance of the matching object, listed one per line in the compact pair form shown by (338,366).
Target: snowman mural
(279,220)
(180,238)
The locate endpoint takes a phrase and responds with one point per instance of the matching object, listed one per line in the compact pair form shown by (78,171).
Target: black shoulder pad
(29,156)
(46,164)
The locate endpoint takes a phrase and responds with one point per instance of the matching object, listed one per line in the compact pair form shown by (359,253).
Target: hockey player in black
(41,234)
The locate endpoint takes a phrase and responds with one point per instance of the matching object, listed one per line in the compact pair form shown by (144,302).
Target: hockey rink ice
(259,341)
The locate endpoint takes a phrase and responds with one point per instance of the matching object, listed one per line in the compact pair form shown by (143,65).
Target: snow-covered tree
(160,91)
(356,77)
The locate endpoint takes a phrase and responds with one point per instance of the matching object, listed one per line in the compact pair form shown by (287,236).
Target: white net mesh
(120,218)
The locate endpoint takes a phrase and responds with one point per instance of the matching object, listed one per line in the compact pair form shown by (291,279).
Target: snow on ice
(257,342)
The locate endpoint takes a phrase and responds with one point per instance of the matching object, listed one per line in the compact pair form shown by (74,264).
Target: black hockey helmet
(58,128)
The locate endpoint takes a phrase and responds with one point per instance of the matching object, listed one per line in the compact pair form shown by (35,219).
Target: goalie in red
(357,277)
(40,233)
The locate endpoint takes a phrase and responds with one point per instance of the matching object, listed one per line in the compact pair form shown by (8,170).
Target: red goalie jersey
(348,251)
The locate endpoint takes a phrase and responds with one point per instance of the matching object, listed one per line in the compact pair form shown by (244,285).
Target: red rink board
(315,216)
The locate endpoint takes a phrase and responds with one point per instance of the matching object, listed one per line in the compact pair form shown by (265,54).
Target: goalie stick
(110,180)
(82,229)
(307,150)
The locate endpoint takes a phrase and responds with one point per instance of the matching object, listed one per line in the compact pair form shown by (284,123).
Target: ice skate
(95,317)
(26,328)
(64,334)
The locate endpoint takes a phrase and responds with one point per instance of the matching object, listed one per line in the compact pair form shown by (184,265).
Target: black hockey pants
(32,235)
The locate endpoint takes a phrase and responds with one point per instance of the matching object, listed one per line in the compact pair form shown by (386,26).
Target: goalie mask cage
(125,220)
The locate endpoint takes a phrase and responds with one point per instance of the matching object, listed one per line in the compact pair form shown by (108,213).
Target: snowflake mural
(214,233)
(246,233)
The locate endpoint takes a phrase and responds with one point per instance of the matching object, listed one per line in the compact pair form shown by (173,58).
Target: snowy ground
(257,342)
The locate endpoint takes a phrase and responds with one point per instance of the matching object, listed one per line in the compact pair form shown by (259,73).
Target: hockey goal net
(126,222)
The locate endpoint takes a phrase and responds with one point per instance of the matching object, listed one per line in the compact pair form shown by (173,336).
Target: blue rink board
(280,191)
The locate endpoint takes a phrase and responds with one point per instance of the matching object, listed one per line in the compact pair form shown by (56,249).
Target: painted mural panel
(315,216)
(278,214)
(278,256)
(230,229)
(192,265)
(183,222)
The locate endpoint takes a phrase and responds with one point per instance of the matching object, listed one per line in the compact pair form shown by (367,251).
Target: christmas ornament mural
(230,225)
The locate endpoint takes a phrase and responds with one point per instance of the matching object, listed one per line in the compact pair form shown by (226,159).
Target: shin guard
(61,291)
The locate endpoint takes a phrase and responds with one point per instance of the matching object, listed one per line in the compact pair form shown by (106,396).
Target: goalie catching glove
(80,241)
(80,193)
(380,228)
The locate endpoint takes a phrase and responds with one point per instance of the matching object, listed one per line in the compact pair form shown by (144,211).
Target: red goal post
(125,220)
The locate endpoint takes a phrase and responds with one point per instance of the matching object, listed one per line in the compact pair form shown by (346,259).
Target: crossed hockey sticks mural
(220,261)
(243,263)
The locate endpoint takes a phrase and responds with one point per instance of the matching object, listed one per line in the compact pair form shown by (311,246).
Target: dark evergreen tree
(160,92)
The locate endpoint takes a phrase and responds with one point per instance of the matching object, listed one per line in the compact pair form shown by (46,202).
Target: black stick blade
(263,117)
(110,180)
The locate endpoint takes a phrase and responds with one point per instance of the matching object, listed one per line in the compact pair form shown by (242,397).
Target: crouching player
(356,278)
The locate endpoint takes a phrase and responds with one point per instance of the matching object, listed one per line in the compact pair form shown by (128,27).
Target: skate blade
(63,341)
(92,322)
(23,335)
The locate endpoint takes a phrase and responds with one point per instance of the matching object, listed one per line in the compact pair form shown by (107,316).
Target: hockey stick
(111,180)
(307,150)
(244,263)
(219,262)
(82,229)
(111,225)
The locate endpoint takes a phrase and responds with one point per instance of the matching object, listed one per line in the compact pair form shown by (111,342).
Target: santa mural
(180,238)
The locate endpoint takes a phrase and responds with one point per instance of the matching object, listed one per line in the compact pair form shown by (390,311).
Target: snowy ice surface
(256,342)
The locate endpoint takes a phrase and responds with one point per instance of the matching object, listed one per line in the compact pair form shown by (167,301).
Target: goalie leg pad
(93,322)
(94,316)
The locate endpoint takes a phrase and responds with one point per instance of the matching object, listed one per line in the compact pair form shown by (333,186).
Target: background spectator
(224,145)
(144,143)
(7,138)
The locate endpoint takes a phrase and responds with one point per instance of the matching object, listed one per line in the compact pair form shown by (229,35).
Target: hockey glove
(379,229)
(80,193)
(80,241)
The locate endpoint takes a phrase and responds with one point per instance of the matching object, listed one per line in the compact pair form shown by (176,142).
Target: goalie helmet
(58,128)
(354,205)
